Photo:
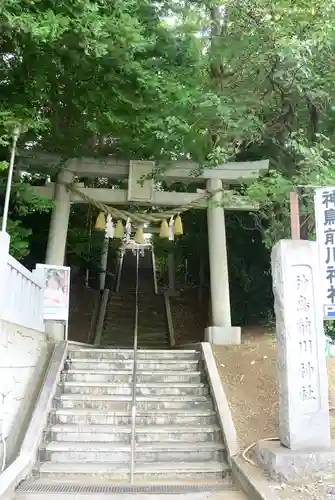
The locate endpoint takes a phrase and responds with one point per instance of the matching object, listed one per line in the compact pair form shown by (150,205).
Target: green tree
(97,76)
(272,72)
(24,204)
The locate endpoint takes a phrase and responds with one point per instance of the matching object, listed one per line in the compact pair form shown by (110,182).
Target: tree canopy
(209,81)
(164,79)
(95,76)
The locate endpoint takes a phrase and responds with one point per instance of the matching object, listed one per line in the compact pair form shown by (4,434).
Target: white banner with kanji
(325,237)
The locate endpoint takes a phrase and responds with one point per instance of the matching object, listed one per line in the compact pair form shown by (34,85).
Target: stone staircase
(120,312)
(120,316)
(88,438)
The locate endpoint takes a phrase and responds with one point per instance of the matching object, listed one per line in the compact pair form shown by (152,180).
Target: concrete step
(141,340)
(86,416)
(123,403)
(151,389)
(145,317)
(128,328)
(81,471)
(141,343)
(222,495)
(112,354)
(123,322)
(169,365)
(126,376)
(123,344)
(121,338)
(117,332)
(145,452)
(122,433)
(147,312)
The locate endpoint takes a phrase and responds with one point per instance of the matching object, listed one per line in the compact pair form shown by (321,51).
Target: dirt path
(248,373)
(249,376)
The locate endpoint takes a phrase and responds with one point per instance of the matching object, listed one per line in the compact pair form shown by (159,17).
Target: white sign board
(56,280)
(325,237)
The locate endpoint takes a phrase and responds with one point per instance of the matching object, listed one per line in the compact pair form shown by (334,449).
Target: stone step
(153,331)
(168,365)
(142,342)
(144,293)
(144,452)
(154,417)
(123,403)
(144,307)
(118,337)
(128,328)
(146,313)
(225,494)
(126,376)
(112,354)
(150,472)
(122,303)
(155,309)
(143,332)
(120,316)
(143,345)
(162,340)
(152,389)
(122,434)
(127,323)
(144,337)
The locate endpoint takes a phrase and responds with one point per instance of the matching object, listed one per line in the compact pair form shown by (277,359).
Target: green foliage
(97,76)
(19,239)
(329,327)
(164,80)
(275,62)
(24,202)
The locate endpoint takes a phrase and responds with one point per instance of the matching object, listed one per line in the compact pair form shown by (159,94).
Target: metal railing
(133,407)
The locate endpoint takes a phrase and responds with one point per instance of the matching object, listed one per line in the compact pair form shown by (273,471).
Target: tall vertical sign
(302,371)
(325,237)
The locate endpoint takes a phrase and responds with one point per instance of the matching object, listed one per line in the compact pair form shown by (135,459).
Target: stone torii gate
(144,193)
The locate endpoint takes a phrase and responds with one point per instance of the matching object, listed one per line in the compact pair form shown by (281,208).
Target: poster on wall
(325,236)
(56,280)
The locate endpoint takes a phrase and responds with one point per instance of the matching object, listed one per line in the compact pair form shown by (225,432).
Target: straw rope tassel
(119,230)
(165,230)
(101,222)
(178,226)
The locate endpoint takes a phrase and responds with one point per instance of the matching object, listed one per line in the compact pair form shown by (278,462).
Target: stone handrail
(25,297)
(21,294)
(23,464)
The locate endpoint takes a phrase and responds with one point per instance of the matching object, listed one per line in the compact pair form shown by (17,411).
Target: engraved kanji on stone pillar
(302,372)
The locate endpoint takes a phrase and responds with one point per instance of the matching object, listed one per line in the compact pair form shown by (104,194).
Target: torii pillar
(221,332)
(59,222)
(56,247)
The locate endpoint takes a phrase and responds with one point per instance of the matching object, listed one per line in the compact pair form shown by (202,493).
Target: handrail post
(120,266)
(169,319)
(133,408)
(154,272)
